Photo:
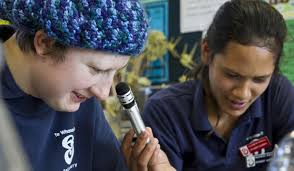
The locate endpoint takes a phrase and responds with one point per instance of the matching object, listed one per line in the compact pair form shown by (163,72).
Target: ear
(205,51)
(42,43)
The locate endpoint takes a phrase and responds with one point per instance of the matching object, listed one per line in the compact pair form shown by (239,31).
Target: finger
(149,130)
(146,154)
(126,146)
(127,141)
(140,144)
(154,157)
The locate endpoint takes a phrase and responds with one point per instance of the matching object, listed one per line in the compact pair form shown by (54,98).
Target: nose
(243,91)
(102,88)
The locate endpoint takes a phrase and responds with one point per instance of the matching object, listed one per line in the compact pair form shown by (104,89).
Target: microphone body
(135,118)
(127,100)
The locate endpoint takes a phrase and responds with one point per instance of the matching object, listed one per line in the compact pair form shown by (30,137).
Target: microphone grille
(125,95)
(122,88)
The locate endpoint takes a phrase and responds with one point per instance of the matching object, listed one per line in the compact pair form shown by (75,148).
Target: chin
(62,104)
(236,113)
(71,108)
(65,107)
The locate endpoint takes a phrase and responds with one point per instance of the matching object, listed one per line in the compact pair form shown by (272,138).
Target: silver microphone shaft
(135,118)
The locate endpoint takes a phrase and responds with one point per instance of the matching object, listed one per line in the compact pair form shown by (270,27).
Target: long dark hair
(248,22)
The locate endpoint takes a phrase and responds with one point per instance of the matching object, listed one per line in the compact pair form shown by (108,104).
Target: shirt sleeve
(282,97)
(107,154)
(156,116)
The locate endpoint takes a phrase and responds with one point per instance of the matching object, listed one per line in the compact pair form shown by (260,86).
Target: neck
(222,123)
(17,62)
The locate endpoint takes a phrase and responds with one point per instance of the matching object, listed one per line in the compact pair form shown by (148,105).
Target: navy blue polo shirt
(179,120)
(61,141)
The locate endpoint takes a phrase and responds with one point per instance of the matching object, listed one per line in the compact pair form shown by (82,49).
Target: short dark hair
(25,40)
(248,22)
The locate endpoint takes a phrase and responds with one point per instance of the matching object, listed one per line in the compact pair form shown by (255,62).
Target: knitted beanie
(117,26)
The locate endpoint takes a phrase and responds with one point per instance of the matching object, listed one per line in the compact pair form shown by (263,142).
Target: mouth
(237,105)
(77,97)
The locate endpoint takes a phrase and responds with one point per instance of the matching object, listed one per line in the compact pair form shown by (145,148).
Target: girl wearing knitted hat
(63,54)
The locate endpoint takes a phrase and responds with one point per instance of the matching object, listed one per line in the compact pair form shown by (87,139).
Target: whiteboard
(196,15)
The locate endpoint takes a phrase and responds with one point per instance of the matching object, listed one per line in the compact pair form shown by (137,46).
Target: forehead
(104,60)
(246,59)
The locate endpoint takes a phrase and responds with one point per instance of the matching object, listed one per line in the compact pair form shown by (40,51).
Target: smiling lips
(77,97)
(237,105)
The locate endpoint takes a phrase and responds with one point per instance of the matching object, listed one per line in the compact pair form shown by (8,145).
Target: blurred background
(12,157)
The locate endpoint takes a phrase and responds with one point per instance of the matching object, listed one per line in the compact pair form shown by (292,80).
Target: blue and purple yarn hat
(117,26)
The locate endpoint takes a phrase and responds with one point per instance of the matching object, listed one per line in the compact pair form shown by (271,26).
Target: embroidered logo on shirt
(255,151)
(68,143)
(255,136)
(255,146)
(253,160)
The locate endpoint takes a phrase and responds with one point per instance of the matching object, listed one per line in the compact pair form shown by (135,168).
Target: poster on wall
(157,12)
(197,15)
(286,7)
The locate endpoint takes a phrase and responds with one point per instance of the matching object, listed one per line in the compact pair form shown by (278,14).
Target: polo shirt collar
(199,116)
(9,87)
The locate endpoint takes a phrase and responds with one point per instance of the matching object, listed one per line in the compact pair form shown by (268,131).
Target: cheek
(46,85)
(81,79)
(258,89)
(219,83)
(58,83)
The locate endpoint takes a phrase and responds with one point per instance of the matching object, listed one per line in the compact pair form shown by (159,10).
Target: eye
(259,80)
(97,71)
(233,76)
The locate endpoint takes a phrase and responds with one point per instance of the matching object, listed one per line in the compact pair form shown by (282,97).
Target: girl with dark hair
(239,105)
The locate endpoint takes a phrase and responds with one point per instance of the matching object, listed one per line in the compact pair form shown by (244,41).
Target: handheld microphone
(127,100)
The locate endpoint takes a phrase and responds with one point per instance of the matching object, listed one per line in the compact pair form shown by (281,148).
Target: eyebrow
(110,69)
(234,72)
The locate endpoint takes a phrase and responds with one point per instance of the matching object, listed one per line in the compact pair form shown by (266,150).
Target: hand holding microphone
(141,156)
